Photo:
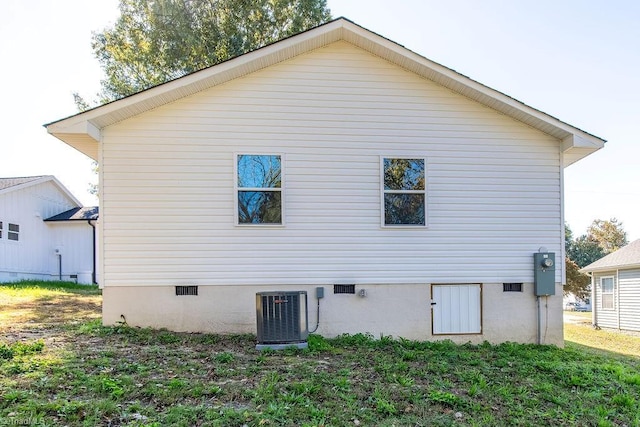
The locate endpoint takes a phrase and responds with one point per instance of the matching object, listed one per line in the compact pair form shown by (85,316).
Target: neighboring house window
(606,284)
(13,232)
(259,189)
(0,229)
(404,191)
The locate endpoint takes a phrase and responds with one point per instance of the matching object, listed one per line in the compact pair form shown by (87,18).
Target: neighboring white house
(40,237)
(336,158)
(615,288)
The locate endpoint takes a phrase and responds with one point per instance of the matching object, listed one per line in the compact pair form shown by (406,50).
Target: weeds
(87,374)
(9,351)
(139,384)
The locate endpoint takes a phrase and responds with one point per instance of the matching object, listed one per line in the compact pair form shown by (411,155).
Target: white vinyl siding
(32,255)
(629,288)
(167,193)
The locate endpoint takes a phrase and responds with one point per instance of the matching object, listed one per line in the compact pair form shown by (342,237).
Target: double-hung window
(404,192)
(13,232)
(607,287)
(259,189)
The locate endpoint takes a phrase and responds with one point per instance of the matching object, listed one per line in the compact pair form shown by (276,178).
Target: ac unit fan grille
(282,317)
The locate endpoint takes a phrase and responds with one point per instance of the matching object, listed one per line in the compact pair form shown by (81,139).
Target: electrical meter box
(544,273)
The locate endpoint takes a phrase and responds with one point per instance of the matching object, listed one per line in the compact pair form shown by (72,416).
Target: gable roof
(14,184)
(83,131)
(76,214)
(625,257)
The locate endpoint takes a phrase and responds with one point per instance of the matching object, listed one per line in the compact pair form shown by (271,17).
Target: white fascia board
(65,191)
(340,29)
(479,90)
(79,125)
(25,184)
(192,83)
(576,147)
(610,268)
(42,180)
(581,141)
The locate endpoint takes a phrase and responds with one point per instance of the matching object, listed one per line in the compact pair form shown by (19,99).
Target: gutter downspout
(616,290)
(93,249)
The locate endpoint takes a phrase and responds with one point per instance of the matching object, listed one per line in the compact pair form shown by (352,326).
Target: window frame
(237,189)
(383,192)
(1,229)
(611,293)
(10,232)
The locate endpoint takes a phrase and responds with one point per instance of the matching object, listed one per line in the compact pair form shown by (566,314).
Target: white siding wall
(75,240)
(31,256)
(168,200)
(606,318)
(629,299)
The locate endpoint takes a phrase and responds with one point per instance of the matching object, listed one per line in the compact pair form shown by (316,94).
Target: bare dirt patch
(33,314)
(62,368)
(577,318)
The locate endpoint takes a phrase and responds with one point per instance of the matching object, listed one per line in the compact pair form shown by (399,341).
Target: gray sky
(577,60)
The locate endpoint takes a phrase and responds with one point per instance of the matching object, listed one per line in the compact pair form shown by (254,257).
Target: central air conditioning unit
(282,320)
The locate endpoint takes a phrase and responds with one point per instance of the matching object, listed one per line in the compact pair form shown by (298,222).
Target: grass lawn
(581,333)
(59,367)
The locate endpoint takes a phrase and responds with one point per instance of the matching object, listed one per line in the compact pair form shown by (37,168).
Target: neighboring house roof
(13,184)
(83,131)
(76,214)
(625,257)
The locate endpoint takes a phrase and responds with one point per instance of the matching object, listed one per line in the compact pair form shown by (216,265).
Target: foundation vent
(186,290)
(344,289)
(512,287)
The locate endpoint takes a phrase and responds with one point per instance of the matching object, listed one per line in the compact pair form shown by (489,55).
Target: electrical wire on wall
(546,318)
(539,317)
(317,317)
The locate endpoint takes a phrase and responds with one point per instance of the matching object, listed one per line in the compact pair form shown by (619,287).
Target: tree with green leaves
(609,234)
(602,238)
(154,41)
(577,282)
(584,250)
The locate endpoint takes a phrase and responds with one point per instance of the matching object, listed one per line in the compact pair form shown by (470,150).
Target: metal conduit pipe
(93,249)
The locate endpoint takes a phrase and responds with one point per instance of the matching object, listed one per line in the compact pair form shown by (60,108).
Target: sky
(576,60)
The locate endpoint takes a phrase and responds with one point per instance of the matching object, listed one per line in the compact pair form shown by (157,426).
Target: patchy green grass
(86,374)
(32,305)
(580,332)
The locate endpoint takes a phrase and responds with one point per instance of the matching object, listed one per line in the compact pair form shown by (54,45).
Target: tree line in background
(602,238)
(155,41)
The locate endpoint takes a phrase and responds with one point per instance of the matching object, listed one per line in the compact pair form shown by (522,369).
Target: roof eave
(578,146)
(80,134)
(71,215)
(41,180)
(609,268)
(83,131)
